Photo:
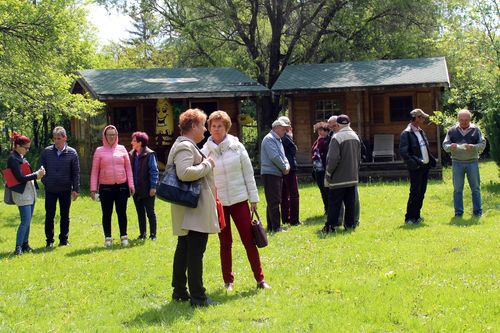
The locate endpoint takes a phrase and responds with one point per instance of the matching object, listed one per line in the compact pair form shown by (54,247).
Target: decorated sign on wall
(164,122)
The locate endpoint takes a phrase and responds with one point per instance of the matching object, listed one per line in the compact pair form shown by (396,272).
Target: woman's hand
(152,192)
(132,191)
(253,207)
(40,173)
(92,195)
(212,162)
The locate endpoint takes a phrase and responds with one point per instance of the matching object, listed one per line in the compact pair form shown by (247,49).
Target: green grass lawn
(441,276)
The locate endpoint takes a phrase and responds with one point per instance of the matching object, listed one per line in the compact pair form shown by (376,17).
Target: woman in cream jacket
(235,182)
(192,225)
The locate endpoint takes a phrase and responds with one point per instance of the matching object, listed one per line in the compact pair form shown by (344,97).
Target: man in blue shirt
(273,165)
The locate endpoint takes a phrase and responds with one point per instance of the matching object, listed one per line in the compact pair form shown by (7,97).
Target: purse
(174,190)
(259,234)
(7,196)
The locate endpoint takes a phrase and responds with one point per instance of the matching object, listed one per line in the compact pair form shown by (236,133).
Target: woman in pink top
(112,177)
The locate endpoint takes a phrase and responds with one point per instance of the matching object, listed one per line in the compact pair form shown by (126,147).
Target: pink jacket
(110,165)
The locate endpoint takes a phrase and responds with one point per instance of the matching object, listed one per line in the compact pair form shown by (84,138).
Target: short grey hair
(332,118)
(464,111)
(59,131)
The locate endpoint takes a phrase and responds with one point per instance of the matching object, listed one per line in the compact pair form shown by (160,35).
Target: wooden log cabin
(377,96)
(151,100)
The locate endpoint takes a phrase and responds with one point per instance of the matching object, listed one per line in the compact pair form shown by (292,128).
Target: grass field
(441,276)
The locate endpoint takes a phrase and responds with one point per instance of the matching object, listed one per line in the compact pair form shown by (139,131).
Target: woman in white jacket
(235,183)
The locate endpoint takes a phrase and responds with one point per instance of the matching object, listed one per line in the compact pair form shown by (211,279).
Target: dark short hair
(141,137)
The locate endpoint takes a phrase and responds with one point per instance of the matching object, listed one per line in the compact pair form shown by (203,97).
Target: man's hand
(453,146)
(74,195)
(152,192)
(286,171)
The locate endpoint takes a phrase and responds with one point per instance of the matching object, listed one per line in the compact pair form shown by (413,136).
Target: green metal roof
(168,82)
(360,75)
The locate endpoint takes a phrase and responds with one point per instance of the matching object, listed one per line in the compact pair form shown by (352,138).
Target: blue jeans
(23,231)
(471,169)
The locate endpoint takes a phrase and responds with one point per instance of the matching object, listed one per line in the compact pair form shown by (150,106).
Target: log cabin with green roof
(151,100)
(376,95)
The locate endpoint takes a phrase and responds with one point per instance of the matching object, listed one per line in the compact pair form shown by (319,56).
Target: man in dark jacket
(290,190)
(341,174)
(414,149)
(62,182)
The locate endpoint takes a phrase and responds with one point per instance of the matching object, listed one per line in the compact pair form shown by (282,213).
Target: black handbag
(174,190)
(7,196)
(259,234)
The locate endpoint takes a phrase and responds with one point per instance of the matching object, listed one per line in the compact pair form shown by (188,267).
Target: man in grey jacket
(465,142)
(341,174)
(273,165)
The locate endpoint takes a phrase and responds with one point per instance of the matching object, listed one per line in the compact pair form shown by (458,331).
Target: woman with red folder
(24,193)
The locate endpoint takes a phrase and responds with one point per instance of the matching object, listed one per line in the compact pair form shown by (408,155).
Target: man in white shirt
(414,149)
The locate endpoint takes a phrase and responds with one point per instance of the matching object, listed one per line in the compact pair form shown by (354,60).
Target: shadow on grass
(339,232)
(36,251)
(413,226)
(492,187)
(173,311)
(318,219)
(461,222)
(95,249)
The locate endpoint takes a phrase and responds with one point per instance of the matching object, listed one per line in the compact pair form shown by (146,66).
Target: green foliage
(441,276)
(42,45)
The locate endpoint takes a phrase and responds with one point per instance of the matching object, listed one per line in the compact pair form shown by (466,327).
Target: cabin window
(125,119)
(400,107)
(325,108)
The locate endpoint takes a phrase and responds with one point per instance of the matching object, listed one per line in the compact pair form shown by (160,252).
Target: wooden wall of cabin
(369,113)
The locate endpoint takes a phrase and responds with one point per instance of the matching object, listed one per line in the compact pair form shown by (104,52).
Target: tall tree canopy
(261,37)
(41,45)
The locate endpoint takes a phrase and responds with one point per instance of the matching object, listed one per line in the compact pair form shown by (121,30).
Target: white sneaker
(108,241)
(124,240)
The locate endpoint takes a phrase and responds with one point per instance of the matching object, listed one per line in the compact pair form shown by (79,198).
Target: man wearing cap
(332,123)
(290,191)
(465,142)
(414,149)
(273,165)
(341,174)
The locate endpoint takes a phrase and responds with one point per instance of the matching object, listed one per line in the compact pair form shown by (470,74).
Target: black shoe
(297,223)
(65,243)
(152,237)
(18,251)
(49,245)
(142,237)
(327,229)
(179,298)
(208,302)
(26,247)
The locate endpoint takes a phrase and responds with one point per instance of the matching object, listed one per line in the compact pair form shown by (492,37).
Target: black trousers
(189,257)
(50,213)
(116,195)
(143,207)
(273,187)
(418,186)
(319,177)
(336,196)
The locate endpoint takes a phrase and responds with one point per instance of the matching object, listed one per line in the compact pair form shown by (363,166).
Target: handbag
(7,196)
(174,190)
(259,234)
(220,213)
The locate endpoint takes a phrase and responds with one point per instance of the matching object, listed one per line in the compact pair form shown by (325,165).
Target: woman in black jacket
(23,193)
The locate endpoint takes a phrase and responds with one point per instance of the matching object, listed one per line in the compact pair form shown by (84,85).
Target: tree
(262,37)
(41,46)
(471,44)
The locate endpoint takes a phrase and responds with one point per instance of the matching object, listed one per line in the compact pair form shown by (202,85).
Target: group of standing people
(226,172)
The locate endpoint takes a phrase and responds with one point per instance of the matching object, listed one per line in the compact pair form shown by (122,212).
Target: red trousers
(240,213)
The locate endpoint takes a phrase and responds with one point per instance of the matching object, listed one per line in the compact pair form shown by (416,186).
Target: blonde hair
(222,116)
(191,117)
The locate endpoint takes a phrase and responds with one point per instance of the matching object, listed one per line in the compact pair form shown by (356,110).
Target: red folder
(9,177)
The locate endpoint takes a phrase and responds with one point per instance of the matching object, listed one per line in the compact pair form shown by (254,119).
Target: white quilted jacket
(233,172)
